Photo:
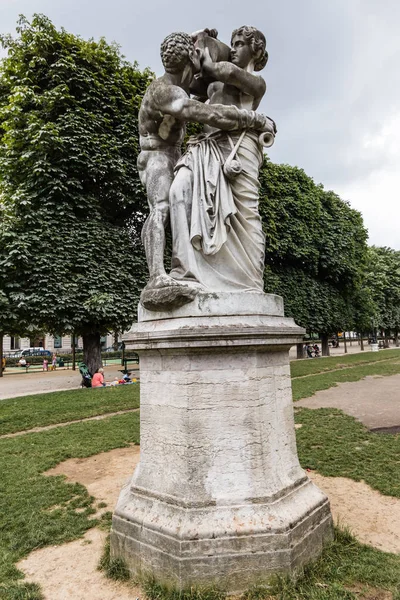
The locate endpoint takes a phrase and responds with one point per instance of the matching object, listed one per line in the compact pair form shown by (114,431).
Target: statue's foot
(161,281)
(164,293)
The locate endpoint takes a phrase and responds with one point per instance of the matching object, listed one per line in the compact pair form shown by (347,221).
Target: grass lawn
(26,412)
(304,387)
(36,510)
(337,445)
(299,368)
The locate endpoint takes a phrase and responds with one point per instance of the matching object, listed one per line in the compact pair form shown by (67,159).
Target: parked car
(32,352)
(112,349)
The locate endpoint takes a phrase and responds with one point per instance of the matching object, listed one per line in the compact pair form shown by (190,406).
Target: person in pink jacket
(98,378)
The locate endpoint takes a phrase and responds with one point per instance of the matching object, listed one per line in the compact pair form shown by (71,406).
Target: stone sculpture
(217,234)
(165,109)
(219,496)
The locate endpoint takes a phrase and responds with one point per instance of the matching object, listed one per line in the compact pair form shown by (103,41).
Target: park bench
(132,359)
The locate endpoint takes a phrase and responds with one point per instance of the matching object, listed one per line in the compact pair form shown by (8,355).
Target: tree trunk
(73,353)
(396,338)
(300,351)
(345,343)
(362,341)
(325,344)
(92,351)
(1,355)
(387,338)
(115,344)
(123,355)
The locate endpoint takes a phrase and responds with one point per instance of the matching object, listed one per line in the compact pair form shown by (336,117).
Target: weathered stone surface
(219,494)
(165,108)
(168,297)
(206,304)
(217,234)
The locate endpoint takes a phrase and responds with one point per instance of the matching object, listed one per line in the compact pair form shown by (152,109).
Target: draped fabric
(216,227)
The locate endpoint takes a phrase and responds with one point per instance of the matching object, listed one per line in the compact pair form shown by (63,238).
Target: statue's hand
(264,124)
(252,120)
(249,119)
(212,32)
(204,32)
(267,136)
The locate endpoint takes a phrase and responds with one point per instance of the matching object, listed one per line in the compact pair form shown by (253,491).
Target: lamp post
(123,354)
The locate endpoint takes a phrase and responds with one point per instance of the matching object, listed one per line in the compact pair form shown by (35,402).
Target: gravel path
(26,384)
(375,400)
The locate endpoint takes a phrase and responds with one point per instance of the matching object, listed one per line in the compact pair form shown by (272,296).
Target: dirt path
(69,572)
(27,384)
(375,400)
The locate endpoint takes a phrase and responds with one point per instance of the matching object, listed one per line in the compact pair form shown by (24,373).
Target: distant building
(59,344)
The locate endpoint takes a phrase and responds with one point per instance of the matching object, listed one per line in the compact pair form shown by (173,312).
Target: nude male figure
(165,109)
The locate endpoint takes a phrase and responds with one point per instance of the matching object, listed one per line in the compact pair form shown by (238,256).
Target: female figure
(98,379)
(216,228)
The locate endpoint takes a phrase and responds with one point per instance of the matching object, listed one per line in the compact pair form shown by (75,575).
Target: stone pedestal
(219,495)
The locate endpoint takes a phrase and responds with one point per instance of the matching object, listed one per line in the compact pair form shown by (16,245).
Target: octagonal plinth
(219,495)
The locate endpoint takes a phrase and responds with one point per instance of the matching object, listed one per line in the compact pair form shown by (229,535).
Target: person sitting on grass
(309,349)
(98,379)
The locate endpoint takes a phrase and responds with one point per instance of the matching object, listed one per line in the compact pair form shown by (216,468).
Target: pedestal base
(219,495)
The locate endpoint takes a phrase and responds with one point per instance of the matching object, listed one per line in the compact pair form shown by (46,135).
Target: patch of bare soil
(69,572)
(368,593)
(373,519)
(102,475)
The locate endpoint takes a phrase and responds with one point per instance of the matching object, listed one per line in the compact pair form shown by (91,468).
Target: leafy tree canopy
(68,179)
(382,282)
(315,248)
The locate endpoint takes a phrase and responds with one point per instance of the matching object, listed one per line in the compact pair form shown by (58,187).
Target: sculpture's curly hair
(257,43)
(175,51)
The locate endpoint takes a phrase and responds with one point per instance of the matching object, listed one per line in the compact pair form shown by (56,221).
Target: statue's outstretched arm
(228,118)
(174,101)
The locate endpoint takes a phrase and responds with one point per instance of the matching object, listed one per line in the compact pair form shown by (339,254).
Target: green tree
(382,283)
(71,196)
(315,250)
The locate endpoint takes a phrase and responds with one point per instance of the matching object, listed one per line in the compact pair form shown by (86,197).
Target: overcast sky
(333,80)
